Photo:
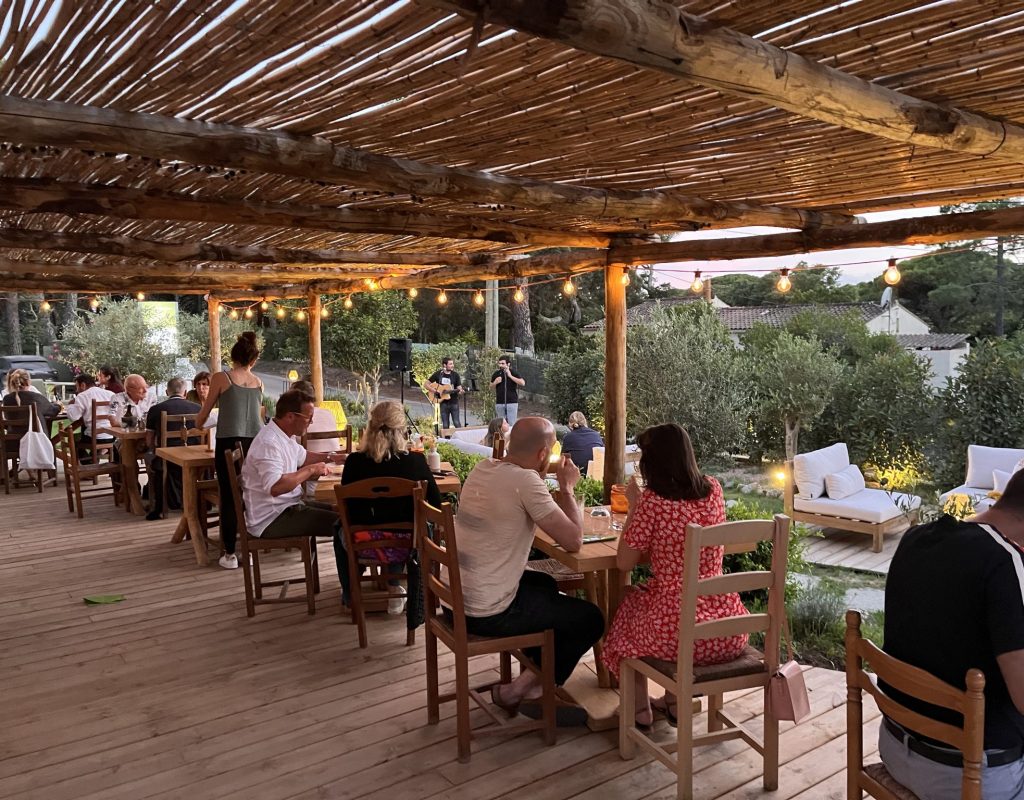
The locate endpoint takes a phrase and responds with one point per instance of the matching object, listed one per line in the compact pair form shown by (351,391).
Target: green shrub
(575,380)
(761,558)
(462,463)
(592,489)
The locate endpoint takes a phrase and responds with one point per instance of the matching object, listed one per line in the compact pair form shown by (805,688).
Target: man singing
(506,385)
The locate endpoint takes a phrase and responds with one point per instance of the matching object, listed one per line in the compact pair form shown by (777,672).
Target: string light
(280,312)
(625,277)
(140,296)
(300,315)
(519,296)
(568,288)
(94,304)
(374,286)
(325,312)
(233,313)
(783,284)
(413,292)
(248,313)
(348,302)
(892,274)
(442,298)
(264,305)
(698,284)
(45,305)
(478,298)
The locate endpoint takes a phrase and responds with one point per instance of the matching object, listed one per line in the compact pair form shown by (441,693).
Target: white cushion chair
(823,488)
(982,462)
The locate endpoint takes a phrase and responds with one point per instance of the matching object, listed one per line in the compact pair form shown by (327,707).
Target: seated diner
(580,441)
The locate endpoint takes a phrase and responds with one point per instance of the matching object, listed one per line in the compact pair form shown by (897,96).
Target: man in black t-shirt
(506,385)
(445,386)
(954,600)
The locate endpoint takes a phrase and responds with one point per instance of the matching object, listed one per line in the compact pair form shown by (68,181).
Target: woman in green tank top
(238,394)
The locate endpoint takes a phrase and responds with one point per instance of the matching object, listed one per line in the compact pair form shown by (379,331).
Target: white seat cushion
(844,483)
(982,461)
(867,505)
(474,435)
(1000,479)
(470,447)
(810,469)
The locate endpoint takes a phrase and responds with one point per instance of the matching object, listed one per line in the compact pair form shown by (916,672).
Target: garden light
(264,305)
(248,313)
(140,296)
(442,298)
(478,298)
(45,305)
(892,274)
(233,313)
(698,285)
(519,296)
(325,312)
(280,312)
(783,284)
(300,315)
(414,292)
(568,288)
(348,302)
(625,277)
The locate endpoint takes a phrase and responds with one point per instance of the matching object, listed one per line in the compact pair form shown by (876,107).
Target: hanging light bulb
(783,284)
(45,305)
(442,298)
(264,305)
(374,286)
(568,288)
(348,302)
(892,274)
(280,312)
(519,296)
(248,313)
(325,312)
(140,296)
(698,284)
(300,315)
(94,304)
(233,313)
(625,277)
(413,292)
(478,298)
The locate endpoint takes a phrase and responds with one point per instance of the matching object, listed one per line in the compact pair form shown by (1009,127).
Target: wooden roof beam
(41,195)
(657,35)
(50,123)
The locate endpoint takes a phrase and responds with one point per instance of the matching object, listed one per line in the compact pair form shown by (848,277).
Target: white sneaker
(396,605)
(229,561)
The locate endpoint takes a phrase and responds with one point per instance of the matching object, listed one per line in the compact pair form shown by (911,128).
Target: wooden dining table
(324,492)
(193,459)
(128,452)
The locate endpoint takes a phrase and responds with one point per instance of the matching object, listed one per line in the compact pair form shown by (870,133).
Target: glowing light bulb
(233,313)
(625,277)
(325,312)
(568,288)
(300,315)
(519,296)
(442,298)
(348,302)
(45,305)
(280,312)
(374,286)
(264,305)
(698,284)
(478,298)
(248,313)
(892,274)
(783,284)
(413,292)
(140,296)
(94,304)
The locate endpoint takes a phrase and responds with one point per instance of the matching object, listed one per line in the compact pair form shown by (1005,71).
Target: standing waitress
(239,395)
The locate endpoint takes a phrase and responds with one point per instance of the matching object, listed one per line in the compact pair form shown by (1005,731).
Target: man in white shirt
(501,504)
(275,468)
(80,408)
(136,395)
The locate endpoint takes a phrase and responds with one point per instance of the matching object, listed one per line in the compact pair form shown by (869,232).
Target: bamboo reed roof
(392,78)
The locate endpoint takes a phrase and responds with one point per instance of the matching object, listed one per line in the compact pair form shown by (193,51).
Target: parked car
(37,366)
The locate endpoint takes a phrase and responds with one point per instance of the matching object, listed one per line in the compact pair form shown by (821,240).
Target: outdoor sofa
(988,470)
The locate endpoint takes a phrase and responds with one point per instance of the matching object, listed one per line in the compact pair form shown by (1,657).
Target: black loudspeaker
(400,355)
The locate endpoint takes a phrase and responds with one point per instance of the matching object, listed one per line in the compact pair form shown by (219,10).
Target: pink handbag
(787,692)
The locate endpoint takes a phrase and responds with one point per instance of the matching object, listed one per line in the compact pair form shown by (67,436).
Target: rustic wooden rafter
(50,123)
(658,35)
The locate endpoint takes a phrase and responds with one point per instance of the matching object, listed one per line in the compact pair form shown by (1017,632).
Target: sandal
(511,709)
(662,706)
(644,727)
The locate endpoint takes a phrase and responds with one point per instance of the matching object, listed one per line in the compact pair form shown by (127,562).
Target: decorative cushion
(999,480)
(867,505)
(844,483)
(810,469)
(982,461)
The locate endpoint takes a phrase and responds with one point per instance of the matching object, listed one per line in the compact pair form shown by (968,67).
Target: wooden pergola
(293,149)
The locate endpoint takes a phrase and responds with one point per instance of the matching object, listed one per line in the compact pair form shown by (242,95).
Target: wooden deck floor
(174,693)
(851,550)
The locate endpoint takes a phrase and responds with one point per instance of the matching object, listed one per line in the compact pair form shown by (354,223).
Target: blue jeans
(510,411)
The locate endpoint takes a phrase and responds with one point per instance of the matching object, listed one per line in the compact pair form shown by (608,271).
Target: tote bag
(36,449)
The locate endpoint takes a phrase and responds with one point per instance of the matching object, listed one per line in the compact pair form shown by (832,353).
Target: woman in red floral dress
(647,622)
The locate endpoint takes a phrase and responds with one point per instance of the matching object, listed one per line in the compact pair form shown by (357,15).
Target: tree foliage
(819,285)
(575,381)
(194,336)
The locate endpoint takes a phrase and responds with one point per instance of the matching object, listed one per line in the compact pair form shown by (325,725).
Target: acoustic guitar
(439,393)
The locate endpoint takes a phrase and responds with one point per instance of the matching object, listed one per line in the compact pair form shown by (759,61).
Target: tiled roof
(931,341)
(643,311)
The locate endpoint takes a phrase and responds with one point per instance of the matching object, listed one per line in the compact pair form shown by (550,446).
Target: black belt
(993,758)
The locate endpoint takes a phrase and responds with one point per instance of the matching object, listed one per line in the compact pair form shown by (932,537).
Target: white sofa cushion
(844,483)
(983,461)
(810,469)
(474,435)
(999,480)
(470,447)
(867,505)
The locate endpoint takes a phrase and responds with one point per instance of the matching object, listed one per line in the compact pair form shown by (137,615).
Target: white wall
(943,363)
(896,319)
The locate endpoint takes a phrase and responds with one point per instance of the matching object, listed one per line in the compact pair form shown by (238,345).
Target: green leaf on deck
(102,599)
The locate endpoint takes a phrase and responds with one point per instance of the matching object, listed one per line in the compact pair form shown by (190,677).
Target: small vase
(434,460)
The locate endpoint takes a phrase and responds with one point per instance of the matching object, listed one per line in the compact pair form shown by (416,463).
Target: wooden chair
(343,437)
(178,430)
(438,549)
(392,490)
(252,546)
(970,704)
(76,473)
(751,670)
(498,448)
(15,422)
(101,418)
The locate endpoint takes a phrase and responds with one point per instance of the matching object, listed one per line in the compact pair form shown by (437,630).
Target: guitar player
(445,386)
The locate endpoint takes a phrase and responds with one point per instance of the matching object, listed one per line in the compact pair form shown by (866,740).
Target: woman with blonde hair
(21,393)
(580,441)
(383,453)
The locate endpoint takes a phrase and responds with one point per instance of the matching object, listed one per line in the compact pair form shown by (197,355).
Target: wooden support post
(614,378)
(213,310)
(316,365)
(708,294)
